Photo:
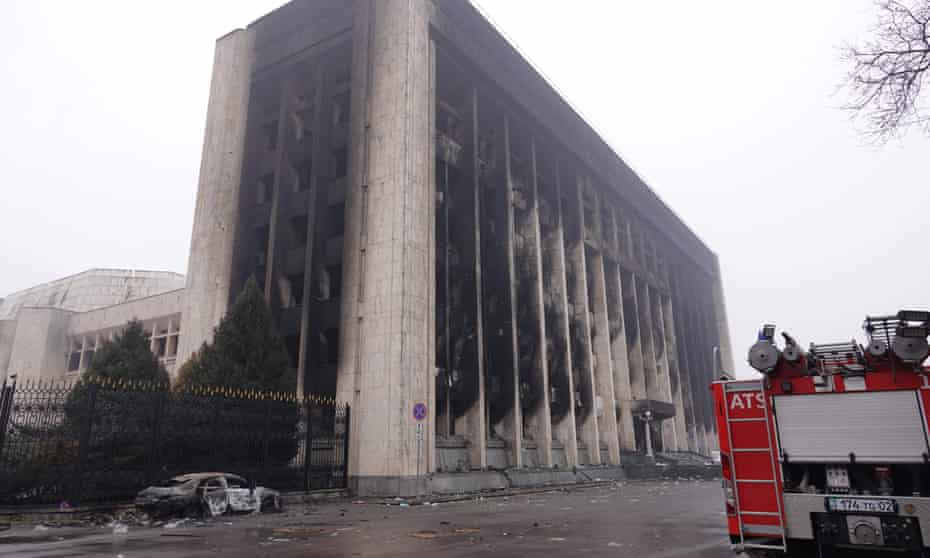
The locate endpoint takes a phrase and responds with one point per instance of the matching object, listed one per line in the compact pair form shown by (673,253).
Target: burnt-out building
(434,226)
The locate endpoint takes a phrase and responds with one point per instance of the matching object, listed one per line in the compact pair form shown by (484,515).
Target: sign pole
(419,413)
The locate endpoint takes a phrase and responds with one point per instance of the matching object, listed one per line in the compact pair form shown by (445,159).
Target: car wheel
(194,510)
(271,504)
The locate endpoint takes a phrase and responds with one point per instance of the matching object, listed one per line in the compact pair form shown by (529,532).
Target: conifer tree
(247,351)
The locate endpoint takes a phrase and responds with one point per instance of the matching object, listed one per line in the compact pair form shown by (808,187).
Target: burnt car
(206,495)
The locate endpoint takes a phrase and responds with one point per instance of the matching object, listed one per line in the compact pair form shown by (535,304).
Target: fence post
(6,407)
(265,442)
(84,443)
(156,455)
(308,444)
(345,450)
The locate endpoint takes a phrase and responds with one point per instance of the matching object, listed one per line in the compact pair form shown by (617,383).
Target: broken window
(335,280)
(341,108)
(336,222)
(304,174)
(332,345)
(265,188)
(261,249)
(340,162)
(297,289)
(292,345)
(270,133)
(298,230)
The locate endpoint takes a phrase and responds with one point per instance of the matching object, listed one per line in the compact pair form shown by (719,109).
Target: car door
(241,496)
(213,490)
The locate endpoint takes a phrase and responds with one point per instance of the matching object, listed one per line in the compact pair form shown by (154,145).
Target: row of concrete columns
(628,329)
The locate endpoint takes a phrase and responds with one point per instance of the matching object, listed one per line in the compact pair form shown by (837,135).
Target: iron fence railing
(101,440)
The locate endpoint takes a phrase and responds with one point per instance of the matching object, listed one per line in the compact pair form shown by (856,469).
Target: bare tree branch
(885,84)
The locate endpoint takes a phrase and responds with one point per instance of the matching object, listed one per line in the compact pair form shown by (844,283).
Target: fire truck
(827,453)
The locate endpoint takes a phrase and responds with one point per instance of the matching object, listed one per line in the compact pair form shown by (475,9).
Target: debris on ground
(424,535)
(464,530)
(298,531)
(40,527)
(556,539)
(120,528)
(175,524)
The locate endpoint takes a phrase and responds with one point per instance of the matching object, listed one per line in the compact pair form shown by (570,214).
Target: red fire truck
(828,452)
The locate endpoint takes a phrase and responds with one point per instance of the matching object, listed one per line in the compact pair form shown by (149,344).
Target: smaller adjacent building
(51,331)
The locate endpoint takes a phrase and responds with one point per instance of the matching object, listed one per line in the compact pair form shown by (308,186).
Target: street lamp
(647,418)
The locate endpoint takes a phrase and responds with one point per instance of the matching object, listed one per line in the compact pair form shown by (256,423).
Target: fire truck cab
(828,452)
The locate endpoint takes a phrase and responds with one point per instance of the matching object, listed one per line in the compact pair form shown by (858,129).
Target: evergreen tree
(122,415)
(127,357)
(247,351)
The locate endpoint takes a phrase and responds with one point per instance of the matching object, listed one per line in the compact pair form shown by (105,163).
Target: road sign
(419,431)
(419,411)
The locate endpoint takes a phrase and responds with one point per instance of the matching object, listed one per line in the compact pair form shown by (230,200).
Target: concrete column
(582,319)
(681,338)
(564,428)
(387,319)
(623,394)
(516,417)
(695,343)
(540,421)
(601,345)
(723,326)
(313,196)
(675,387)
(704,303)
(650,363)
(275,249)
(40,341)
(473,422)
(217,209)
(633,335)
(669,436)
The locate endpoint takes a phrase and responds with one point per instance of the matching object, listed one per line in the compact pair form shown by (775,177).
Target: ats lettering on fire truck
(829,448)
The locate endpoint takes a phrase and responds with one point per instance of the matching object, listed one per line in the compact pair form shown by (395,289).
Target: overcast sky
(726,108)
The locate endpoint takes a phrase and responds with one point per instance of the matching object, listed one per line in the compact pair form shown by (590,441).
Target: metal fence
(91,441)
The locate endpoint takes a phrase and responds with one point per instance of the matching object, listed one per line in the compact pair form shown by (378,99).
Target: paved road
(641,520)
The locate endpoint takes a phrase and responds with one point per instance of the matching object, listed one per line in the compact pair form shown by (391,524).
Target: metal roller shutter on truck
(877,427)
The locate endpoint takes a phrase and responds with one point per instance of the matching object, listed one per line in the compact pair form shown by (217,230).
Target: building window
(74,357)
(332,345)
(304,174)
(270,134)
(292,344)
(335,280)
(297,289)
(335,225)
(340,162)
(161,346)
(265,188)
(341,108)
(299,230)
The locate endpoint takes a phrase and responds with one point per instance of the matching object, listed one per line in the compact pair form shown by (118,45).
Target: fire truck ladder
(755,535)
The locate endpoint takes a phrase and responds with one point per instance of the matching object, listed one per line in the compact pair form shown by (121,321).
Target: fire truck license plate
(860,505)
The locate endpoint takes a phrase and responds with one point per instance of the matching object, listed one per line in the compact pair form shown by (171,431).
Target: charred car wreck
(206,495)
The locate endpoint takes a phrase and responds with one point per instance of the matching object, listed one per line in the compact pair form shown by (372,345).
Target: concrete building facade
(435,228)
(51,331)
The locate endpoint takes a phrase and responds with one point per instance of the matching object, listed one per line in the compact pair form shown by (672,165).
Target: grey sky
(726,108)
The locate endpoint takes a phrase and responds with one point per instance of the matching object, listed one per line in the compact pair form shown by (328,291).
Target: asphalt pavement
(661,519)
